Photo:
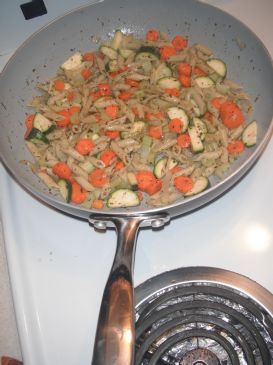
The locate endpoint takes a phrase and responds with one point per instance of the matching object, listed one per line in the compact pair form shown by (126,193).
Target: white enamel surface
(59,264)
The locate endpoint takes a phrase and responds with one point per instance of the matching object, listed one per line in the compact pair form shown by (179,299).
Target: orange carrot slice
(131,82)
(179,42)
(197,71)
(152,35)
(59,85)
(231,115)
(235,147)
(155,132)
(84,146)
(175,125)
(97,204)
(88,56)
(184,68)
(166,52)
(125,95)
(112,111)
(185,80)
(104,89)
(62,170)
(112,134)
(65,121)
(183,183)
(98,178)
(184,140)
(78,195)
(108,156)
(86,73)
(172,92)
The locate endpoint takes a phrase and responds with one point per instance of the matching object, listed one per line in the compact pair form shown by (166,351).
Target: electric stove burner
(203,316)
(200,356)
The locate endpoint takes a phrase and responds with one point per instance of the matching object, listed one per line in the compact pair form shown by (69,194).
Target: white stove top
(59,265)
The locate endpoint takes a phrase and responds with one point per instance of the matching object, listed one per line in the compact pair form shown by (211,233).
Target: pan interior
(38,59)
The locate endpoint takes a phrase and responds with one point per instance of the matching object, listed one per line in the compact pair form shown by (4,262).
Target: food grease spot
(240,43)
(4,106)
(257,98)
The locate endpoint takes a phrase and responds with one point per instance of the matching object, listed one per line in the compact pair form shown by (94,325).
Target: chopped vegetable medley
(138,120)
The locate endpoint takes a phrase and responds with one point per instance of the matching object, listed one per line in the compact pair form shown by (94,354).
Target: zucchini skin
(150,49)
(177,112)
(201,184)
(201,127)
(196,142)
(249,135)
(147,53)
(43,124)
(160,166)
(65,189)
(36,135)
(163,70)
(169,82)
(204,82)
(218,66)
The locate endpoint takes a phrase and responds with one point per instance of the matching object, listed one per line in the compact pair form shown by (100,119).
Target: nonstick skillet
(37,59)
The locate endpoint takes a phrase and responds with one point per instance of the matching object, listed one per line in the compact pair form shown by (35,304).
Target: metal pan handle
(115,336)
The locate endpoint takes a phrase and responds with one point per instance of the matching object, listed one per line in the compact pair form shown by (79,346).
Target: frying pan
(37,60)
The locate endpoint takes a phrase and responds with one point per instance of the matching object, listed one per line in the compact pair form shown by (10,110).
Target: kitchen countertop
(9,342)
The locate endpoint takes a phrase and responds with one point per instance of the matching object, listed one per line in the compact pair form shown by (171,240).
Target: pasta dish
(136,121)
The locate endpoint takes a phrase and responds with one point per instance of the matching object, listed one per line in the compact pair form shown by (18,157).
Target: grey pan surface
(38,58)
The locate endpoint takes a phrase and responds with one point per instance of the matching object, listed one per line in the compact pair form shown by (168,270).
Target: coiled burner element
(203,316)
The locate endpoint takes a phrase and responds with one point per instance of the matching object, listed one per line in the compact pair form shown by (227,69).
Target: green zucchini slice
(65,189)
(249,135)
(199,185)
(123,198)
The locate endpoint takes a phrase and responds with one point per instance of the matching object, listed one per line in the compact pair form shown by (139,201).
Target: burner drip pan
(203,316)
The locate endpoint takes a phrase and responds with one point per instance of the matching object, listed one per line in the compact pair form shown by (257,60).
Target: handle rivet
(156,223)
(100,225)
